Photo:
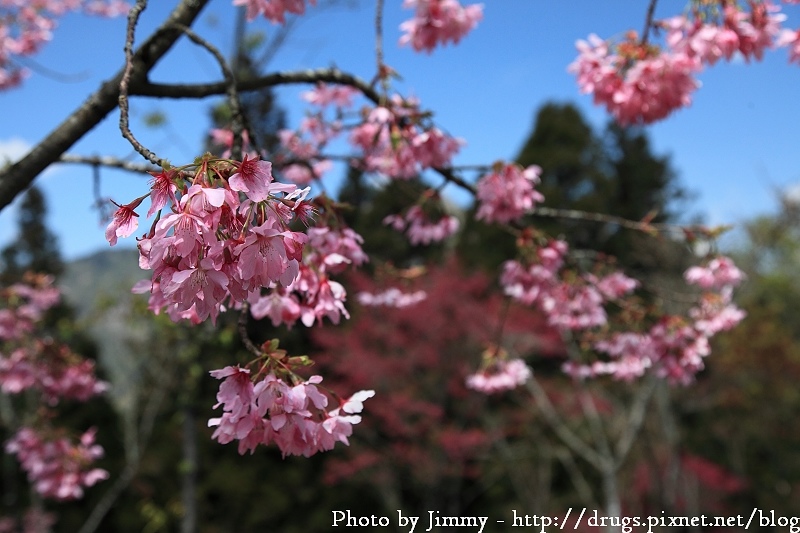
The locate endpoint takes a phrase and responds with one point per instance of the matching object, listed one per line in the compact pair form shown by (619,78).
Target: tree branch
(19,176)
(112,162)
(203,90)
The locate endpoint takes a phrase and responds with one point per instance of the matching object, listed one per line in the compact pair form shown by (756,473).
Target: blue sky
(734,147)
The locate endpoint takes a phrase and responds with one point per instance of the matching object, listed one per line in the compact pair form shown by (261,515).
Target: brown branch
(203,90)
(648,23)
(124,126)
(111,162)
(237,125)
(19,176)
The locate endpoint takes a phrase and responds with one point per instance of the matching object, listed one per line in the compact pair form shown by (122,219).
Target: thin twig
(105,161)
(648,23)
(18,177)
(635,419)
(124,126)
(237,123)
(203,90)
(381,73)
(243,315)
(561,429)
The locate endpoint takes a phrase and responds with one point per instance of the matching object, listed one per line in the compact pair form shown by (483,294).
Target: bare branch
(19,176)
(203,90)
(111,162)
(124,127)
(567,436)
(237,126)
(648,23)
(635,419)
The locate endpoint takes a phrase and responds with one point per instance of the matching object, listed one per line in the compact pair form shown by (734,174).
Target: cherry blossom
(396,142)
(273,10)
(674,347)
(500,376)
(57,468)
(392,297)
(720,272)
(420,229)
(226,237)
(638,85)
(24,29)
(124,222)
(507,193)
(253,178)
(292,416)
(438,22)
(324,94)
(791,39)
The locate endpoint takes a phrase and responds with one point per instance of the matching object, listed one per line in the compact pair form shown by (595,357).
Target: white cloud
(791,194)
(13,149)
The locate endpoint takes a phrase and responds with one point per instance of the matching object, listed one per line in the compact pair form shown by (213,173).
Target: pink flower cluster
(25,303)
(675,346)
(314,295)
(502,375)
(25,26)
(507,193)
(34,521)
(225,238)
(57,468)
(438,22)
(395,144)
(420,229)
(639,88)
(323,95)
(392,297)
(294,417)
(640,83)
(27,362)
(51,369)
(577,304)
(719,273)
(273,10)
(791,39)
(748,34)
(31,361)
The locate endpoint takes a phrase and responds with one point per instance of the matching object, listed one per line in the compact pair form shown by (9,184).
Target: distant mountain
(99,288)
(100,277)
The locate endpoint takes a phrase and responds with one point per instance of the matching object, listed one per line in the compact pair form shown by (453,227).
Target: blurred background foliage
(426,442)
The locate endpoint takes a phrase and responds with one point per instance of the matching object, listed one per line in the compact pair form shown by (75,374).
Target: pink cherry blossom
(202,287)
(435,149)
(272,411)
(391,297)
(333,250)
(507,193)
(281,306)
(26,26)
(57,468)
(273,10)
(124,223)
(253,178)
(438,22)
(323,95)
(636,90)
(791,39)
(720,272)
(162,191)
(420,229)
(501,376)
(615,285)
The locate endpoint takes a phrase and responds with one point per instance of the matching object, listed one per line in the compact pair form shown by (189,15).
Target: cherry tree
(241,232)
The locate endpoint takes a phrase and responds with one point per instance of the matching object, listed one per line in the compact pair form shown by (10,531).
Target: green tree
(615,173)
(35,248)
